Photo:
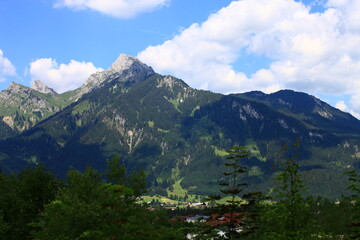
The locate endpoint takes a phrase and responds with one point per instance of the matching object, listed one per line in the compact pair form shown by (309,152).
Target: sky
(219,45)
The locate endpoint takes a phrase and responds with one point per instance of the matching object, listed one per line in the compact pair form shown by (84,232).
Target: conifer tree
(238,210)
(289,216)
(354,187)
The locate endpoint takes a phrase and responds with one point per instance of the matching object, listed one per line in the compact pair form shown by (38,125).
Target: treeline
(285,214)
(88,205)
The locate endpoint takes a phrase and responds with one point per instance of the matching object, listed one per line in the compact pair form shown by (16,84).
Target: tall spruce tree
(354,187)
(233,189)
(238,213)
(288,217)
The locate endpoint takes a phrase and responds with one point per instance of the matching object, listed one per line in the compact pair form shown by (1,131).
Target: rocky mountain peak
(130,64)
(125,67)
(15,87)
(41,87)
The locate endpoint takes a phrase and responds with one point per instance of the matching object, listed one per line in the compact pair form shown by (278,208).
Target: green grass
(159,198)
(228,198)
(67,95)
(221,135)
(33,160)
(251,146)
(151,124)
(192,114)
(175,103)
(254,150)
(79,123)
(255,171)
(163,131)
(178,190)
(220,152)
(79,108)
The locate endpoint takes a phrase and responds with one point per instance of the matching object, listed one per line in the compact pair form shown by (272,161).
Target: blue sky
(33,29)
(220,45)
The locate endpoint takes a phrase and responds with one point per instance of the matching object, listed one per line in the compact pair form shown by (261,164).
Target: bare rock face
(41,87)
(14,88)
(33,106)
(94,81)
(125,68)
(131,66)
(22,107)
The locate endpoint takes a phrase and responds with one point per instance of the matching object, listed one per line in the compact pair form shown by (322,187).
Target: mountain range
(178,134)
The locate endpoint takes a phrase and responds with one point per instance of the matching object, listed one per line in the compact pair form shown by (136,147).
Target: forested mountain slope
(178,133)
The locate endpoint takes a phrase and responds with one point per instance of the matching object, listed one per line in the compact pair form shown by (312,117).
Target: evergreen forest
(35,204)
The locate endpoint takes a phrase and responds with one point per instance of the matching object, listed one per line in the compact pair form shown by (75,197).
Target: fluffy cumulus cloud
(115,8)
(316,52)
(61,77)
(341,105)
(6,68)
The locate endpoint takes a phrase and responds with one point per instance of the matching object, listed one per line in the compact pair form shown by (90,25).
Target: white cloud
(341,105)
(355,114)
(63,77)
(312,52)
(114,8)
(6,67)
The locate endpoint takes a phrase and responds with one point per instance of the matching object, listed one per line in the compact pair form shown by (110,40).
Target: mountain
(126,68)
(180,134)
(41,87)
(308,109)
(22,107)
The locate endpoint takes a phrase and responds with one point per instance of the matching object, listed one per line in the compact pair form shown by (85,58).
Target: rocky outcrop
(23,107)
(31,106)
(125,68)
(129,67)
(41,87)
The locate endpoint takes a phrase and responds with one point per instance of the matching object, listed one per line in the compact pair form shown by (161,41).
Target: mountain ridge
(178,133)
(41,87)
(43,101)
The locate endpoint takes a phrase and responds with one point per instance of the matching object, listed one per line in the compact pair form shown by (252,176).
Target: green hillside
(174,132)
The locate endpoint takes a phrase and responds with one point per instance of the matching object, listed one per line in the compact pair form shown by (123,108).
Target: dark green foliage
(26,107)
(163,126)
(354,187)
(116,172)
(6,131)
(75,209)
(298,104)
(3,225)
(289,217)
(23,197)
(88,208)
(233,188)
(240,210)
(36,205)
(332,218)
(137,182)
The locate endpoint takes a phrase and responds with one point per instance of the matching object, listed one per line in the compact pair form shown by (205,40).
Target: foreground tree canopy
(89,205)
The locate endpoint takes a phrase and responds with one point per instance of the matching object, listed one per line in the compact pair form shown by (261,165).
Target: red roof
(220,219)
